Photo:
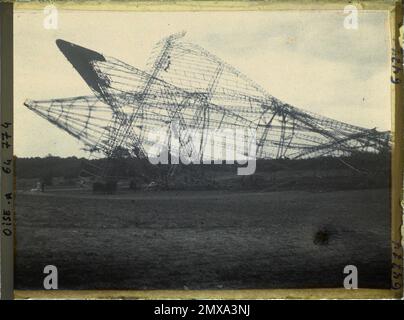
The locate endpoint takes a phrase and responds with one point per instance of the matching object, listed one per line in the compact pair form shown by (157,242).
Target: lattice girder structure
(193,68)
(187,86)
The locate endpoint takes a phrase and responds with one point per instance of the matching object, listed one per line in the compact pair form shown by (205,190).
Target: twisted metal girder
(197,91)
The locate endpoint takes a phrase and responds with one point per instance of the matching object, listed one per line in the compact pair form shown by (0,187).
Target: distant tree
(47,178)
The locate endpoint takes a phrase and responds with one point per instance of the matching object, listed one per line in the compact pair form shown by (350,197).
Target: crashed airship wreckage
(188,86)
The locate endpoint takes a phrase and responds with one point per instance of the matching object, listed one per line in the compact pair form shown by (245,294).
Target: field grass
(203,240)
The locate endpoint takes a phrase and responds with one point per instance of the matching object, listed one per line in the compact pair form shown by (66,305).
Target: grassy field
(203,240)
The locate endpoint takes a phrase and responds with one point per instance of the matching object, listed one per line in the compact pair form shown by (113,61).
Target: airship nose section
(82,60)
(74,52)
(64,45)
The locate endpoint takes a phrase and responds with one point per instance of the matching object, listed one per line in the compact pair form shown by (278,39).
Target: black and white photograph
(191,150)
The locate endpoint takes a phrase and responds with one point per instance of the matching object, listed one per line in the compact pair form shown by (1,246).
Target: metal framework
(188,86)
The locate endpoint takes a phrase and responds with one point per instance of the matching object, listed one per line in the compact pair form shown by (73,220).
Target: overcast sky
(307,59)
